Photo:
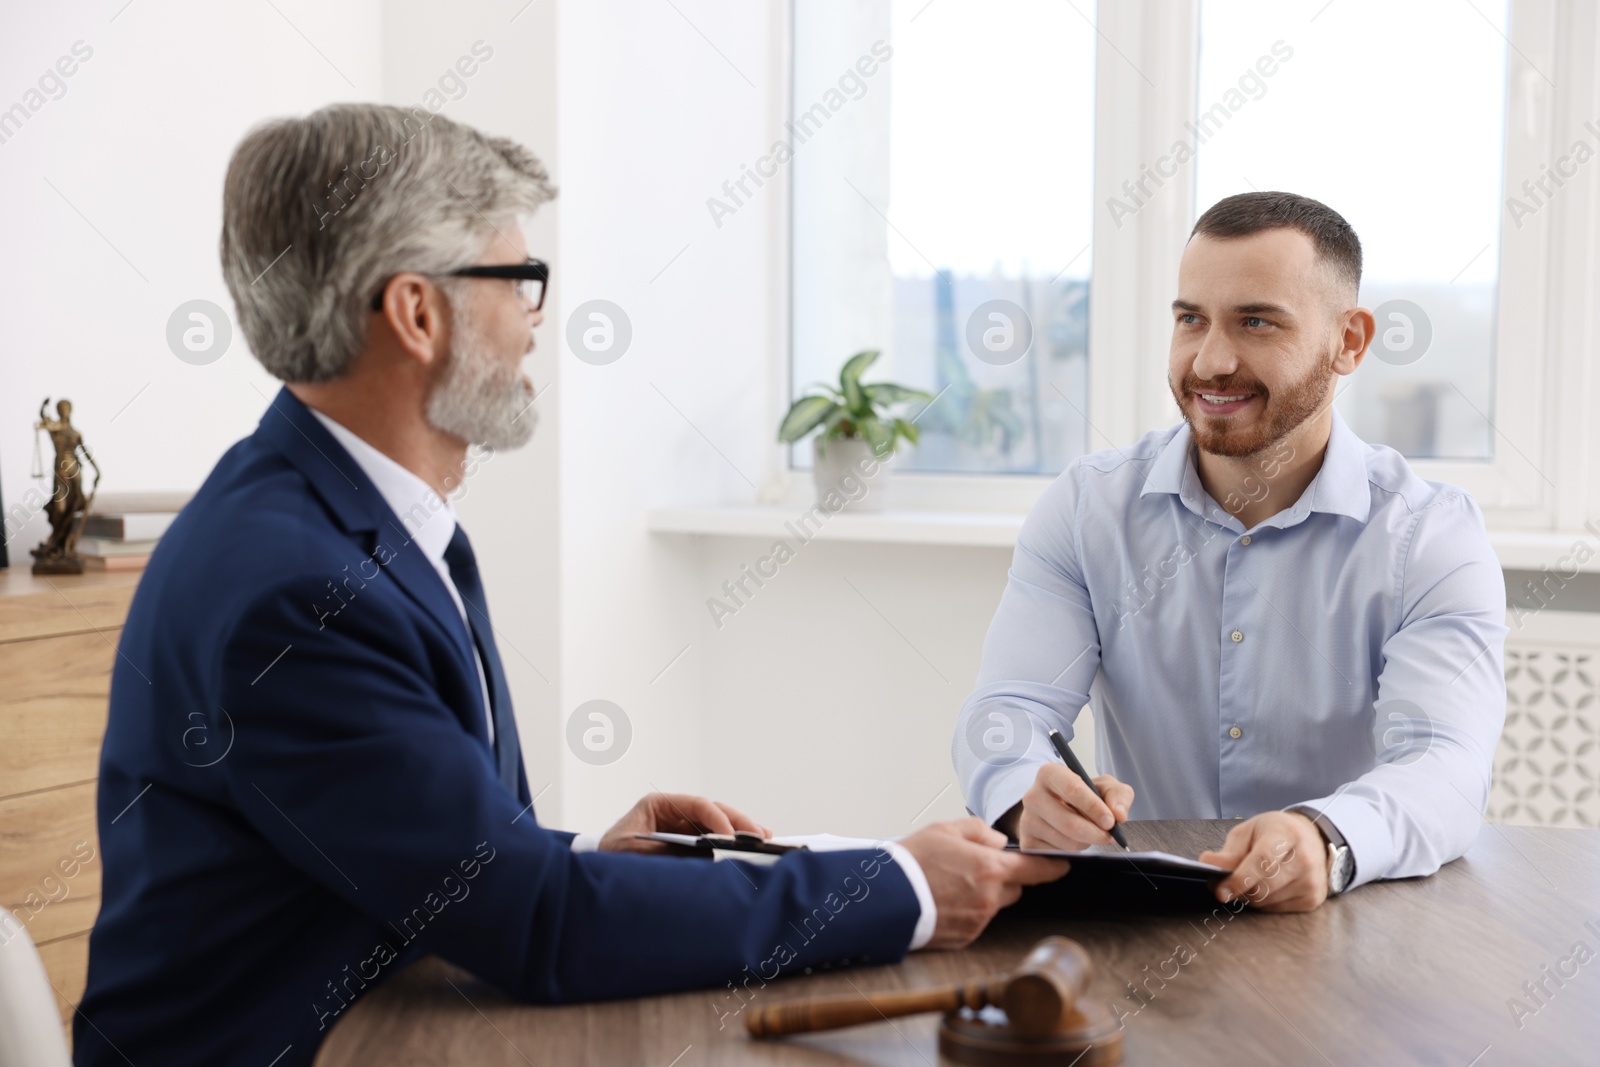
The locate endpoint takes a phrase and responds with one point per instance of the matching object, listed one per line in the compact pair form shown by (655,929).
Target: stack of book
(122,529)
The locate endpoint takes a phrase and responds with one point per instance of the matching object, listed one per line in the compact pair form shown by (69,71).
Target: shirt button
(1235,733)
(1245,540)
(1237,636)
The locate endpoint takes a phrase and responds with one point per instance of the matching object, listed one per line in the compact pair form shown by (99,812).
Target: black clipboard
(1105,882)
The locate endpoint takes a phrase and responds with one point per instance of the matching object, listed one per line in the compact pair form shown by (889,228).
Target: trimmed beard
(1282,412)
(476,400)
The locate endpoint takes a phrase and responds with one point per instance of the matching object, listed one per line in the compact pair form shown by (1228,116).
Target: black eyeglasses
(532,280)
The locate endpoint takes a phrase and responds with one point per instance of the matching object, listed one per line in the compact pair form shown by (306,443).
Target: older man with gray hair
(312,774)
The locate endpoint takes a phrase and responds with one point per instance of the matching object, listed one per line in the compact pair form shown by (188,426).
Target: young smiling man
(1275,621)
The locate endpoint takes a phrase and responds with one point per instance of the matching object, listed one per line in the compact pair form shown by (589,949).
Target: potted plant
(859,434)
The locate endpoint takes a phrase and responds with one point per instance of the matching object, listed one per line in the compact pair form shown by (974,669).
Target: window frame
(1543,451)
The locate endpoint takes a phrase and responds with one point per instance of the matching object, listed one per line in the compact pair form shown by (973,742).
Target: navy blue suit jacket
(298,797)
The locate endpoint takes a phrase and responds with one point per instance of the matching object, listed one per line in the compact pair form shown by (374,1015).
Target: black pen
(1077,768)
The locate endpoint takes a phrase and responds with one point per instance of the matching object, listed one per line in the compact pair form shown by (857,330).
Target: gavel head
(1041,996)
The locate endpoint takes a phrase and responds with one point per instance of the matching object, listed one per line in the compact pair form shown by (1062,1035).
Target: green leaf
(890,393)
(827,387)
(879,436)
(908,430)
(806,414)
(857,365)
(850,380)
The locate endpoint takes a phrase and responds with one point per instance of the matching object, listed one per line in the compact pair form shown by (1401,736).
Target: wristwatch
(1341,862)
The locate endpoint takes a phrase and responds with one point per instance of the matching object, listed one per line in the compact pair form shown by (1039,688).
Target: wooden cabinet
(58,641)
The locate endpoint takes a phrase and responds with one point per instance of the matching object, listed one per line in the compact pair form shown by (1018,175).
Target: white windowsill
(1517,549)
(973,529)
(1529,550)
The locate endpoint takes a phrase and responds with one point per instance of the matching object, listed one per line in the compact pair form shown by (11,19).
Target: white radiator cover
(1547,768)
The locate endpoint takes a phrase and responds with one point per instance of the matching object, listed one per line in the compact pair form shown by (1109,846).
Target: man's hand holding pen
(1060,810)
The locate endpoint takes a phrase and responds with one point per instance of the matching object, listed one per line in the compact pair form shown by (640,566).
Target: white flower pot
(849,476)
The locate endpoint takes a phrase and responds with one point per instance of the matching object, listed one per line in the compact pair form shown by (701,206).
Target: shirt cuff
(1006,791)
(919,885)
(586,843)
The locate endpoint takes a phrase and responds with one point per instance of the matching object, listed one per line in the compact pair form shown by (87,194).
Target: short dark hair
(1247,213)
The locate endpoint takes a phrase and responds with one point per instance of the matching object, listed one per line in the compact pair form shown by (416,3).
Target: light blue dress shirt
(1345,654)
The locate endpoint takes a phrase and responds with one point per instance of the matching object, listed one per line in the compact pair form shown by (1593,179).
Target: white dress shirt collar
(426,516)
(1340,486)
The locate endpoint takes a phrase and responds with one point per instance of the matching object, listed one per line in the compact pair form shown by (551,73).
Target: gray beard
(475,403)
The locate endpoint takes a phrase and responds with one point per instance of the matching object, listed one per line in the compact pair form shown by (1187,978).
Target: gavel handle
(830,1013)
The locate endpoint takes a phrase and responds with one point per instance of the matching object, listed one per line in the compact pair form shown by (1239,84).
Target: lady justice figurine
(68,507)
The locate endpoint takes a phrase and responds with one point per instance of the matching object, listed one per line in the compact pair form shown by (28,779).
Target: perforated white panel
(1547,768)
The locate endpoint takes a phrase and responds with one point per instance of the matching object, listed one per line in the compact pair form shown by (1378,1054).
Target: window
(990,158)
(942,213)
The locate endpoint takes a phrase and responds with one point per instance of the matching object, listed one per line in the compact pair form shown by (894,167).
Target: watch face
(1341,868)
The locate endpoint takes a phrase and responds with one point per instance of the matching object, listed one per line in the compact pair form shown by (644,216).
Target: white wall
(822,713)
(113,198)
(652,121)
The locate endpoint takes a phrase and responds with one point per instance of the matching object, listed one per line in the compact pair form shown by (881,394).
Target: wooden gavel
(1039,998)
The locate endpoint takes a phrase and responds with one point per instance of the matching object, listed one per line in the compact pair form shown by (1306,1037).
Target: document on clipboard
(753,848)
(739,841)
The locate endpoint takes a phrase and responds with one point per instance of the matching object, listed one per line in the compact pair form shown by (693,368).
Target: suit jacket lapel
(360,510)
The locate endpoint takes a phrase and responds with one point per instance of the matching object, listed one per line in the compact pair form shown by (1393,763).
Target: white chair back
(30,1030)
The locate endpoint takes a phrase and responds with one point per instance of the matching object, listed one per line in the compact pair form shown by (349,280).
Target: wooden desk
(58,641)
(1392,973)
